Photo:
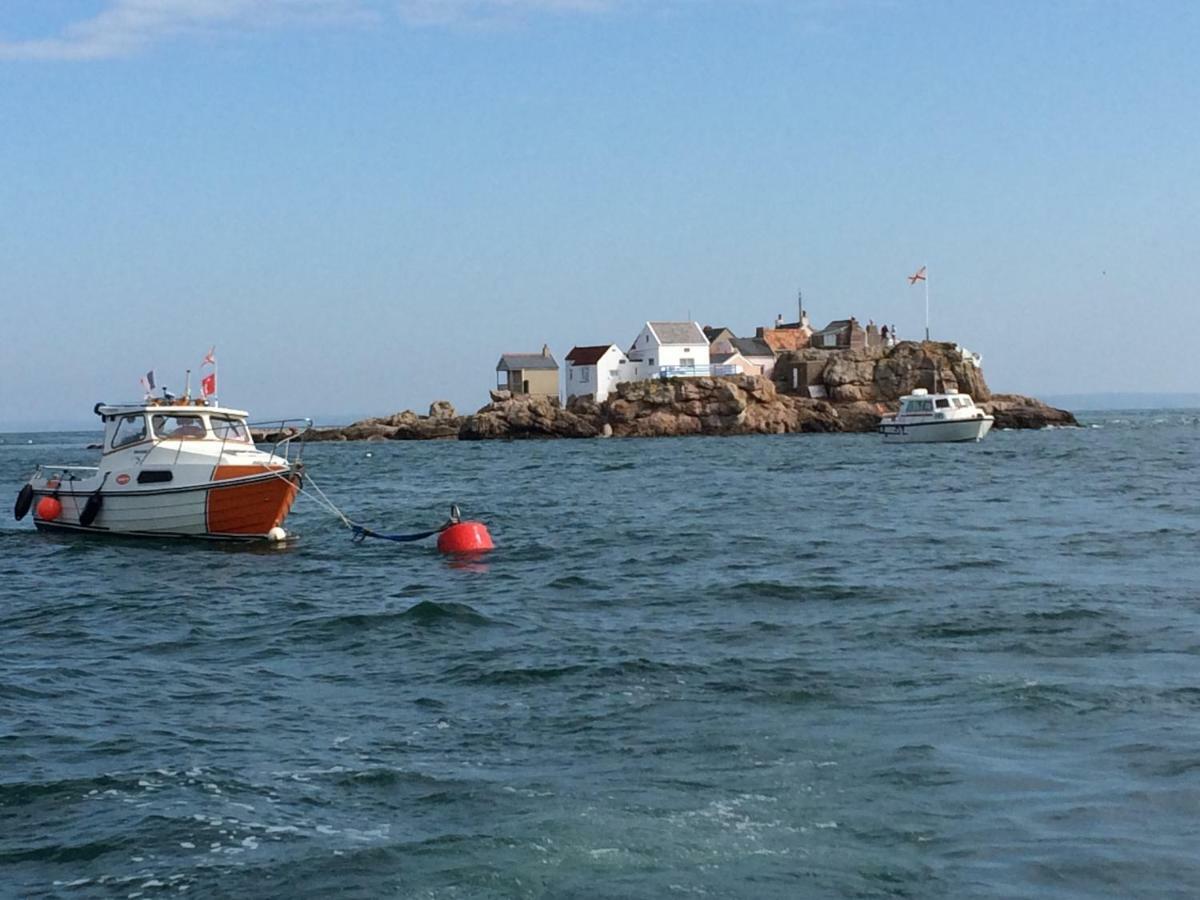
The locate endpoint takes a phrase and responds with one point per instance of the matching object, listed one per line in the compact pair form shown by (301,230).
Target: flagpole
(927,303)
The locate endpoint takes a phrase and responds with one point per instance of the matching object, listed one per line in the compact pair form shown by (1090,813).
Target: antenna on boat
(187,386)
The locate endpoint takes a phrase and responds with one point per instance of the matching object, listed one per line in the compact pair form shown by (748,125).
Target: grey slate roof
(837,326)
(679,333)
(711,331)
(513,362)
(752,347)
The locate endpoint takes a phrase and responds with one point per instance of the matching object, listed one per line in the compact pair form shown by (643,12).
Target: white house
(595,370)
(669,348)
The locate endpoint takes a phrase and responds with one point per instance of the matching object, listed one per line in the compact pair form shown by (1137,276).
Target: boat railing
(281,433)
(67,472)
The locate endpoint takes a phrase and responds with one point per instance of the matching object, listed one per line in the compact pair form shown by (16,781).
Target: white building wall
(646,348)
(598,380)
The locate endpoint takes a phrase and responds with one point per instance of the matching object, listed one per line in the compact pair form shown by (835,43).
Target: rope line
(360,532)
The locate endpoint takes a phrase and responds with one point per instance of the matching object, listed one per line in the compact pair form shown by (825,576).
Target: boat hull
(949,431)
(238,509)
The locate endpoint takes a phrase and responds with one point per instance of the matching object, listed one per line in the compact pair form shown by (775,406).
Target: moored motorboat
(933,418)
(179,468)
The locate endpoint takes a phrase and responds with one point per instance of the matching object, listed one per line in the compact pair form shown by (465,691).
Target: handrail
(696,371)
(283,432)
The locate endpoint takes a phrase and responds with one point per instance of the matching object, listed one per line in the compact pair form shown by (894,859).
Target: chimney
(546,350)
(779,320)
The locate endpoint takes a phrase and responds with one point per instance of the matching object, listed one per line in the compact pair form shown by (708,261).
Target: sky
(363,203)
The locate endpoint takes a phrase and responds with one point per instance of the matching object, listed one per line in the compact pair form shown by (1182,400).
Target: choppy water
(759,667)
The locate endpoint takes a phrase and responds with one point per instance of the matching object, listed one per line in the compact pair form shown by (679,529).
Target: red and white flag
(919,275)
(208,384)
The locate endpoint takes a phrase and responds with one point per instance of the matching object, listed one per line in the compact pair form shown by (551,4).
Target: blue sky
(362,203)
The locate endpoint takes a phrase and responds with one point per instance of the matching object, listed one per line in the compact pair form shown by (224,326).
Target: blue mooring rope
(361,534)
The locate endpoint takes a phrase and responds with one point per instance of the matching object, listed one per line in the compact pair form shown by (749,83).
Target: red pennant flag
(208,384)
(919,276)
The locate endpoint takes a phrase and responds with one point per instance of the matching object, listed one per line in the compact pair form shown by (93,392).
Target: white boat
(171,468)
(927,418)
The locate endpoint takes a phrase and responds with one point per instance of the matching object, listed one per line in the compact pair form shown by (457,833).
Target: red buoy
(465,537)
(48,508)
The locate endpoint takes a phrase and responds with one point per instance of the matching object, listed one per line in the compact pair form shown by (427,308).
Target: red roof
(587,356)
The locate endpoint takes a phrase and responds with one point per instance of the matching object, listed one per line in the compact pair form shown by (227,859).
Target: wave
(426,613)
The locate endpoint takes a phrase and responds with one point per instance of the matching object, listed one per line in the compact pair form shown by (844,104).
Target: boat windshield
(916,406)
(129,430)
(178,427)
(229,429)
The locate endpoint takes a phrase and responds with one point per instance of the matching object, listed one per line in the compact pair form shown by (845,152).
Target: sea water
(795,666)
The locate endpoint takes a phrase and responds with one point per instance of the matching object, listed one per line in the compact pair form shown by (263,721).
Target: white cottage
(595,370)
(669,349)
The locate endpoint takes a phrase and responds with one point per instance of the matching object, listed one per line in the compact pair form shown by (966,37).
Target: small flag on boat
(919,275)
(147,381)
(209,358)
(208,384)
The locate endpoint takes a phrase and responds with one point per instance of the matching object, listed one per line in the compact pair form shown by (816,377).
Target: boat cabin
(128,426)
(921,402)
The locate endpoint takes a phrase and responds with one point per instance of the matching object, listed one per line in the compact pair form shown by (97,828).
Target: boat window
(229,429)
(130,430)
(916,406)
(966,401)
(178,427)
(943,403)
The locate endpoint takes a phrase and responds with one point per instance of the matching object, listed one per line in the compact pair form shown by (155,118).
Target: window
(130,430)
(571,374)
(687,349)
(688,362)
(230,429)
(650,361)
(583,375)
(178,427)
(829,340)
(943,403)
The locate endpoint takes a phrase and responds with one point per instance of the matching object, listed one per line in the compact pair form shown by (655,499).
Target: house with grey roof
(757,352)
(840,334)
(669,349)
(534,374)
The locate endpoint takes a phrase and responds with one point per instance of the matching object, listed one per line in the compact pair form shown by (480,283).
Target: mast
(926,302)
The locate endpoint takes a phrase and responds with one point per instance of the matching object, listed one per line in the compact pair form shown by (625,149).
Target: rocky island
(811,391)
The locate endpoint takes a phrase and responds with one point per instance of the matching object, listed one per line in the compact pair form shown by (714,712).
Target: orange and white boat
(172,468)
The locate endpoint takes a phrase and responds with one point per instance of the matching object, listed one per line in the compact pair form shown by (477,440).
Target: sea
(761,667)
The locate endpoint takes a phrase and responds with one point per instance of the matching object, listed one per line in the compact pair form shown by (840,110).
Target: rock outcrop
(812,391)
(523,416)
(1016,411)
(742,404)
(880,374)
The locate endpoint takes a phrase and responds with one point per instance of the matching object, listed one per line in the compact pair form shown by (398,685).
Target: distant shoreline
(1090,403)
